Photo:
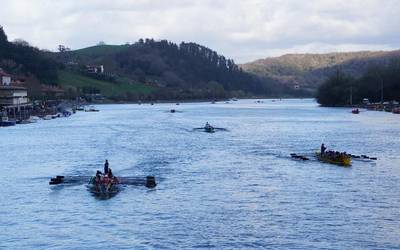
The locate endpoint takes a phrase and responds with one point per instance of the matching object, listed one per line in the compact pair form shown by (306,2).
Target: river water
(227,190)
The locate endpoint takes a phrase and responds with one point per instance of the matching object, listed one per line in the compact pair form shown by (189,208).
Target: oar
(299,157)
(223,129)
(363,157)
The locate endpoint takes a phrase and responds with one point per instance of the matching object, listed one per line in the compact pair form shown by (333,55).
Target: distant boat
(58,115)
(48,117)
(31,119)
(66,113)
(5,122)
(396,111)
(91,109)
(355,111)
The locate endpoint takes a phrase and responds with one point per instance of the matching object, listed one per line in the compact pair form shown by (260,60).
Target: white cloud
(243,30)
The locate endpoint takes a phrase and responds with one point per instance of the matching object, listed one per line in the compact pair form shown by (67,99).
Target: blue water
(227,190)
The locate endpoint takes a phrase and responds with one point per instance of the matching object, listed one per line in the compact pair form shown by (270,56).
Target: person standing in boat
(323,148)
(106,167)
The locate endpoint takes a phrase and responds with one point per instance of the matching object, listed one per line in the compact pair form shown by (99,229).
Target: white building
(13,95)
(5,79)
(97,69)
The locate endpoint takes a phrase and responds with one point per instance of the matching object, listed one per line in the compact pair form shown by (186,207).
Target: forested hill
(311,70)
(146,69)
(183,71)
(20,58)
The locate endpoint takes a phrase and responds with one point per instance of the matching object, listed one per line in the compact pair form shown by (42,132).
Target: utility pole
(351,94)
(382,90)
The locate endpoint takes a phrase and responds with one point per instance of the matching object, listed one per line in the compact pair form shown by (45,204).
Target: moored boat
(355,111)
(5,122)
(91,109)
(338,159)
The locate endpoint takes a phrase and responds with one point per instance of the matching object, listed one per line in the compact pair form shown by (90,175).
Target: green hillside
(71,80)
(100,50)
(180,71)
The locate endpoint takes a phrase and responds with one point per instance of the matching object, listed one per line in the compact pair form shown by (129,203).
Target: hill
(20,58)
(184,71)
(311,70)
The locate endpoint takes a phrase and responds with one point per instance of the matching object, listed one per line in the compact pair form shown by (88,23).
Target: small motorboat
(5,122)
(48,117)
(67,113)
(58,115)
(355,111)
(91,109)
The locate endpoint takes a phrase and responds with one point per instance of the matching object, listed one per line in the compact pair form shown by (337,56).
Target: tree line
(379,83)
(20,58)
(188,69)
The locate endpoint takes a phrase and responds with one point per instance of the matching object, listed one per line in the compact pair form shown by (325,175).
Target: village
(17,108)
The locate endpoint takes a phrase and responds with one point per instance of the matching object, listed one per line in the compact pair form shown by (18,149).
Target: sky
(244,30)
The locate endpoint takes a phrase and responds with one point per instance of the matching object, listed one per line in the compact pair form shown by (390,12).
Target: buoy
(150,181)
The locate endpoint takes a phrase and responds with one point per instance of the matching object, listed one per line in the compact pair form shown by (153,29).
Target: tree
(21,42)
(335,91)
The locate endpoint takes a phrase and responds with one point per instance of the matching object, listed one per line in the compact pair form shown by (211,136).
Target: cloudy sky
(240,29)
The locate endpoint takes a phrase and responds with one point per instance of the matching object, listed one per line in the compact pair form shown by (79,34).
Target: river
(225,190)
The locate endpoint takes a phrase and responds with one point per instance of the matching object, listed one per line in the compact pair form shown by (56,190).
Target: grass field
(69,79)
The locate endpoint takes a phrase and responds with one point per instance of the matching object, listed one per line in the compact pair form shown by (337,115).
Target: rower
(110,174)
(323,148)
(98,177)
(106,167)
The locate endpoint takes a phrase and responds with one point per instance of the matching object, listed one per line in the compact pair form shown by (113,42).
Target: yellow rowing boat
(342,160)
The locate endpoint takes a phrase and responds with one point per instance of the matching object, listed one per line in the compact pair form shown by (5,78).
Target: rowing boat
(104,185)
(344,160)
